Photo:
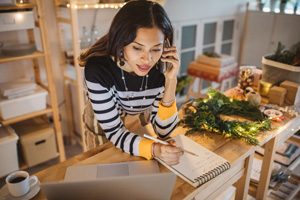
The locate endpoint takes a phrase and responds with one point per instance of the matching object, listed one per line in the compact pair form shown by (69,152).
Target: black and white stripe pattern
(109,101)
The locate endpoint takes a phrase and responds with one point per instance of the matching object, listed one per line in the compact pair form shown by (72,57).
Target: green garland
(204,115)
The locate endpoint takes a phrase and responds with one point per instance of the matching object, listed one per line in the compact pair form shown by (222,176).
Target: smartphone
(165,65)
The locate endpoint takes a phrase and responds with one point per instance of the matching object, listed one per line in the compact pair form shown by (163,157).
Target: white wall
(181,10)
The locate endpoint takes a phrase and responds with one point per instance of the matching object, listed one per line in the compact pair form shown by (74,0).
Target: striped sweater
(110,102)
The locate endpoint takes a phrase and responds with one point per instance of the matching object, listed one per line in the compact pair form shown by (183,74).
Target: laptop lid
(93,172)
(146,186)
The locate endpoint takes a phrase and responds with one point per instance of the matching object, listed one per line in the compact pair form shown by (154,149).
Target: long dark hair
(132,16)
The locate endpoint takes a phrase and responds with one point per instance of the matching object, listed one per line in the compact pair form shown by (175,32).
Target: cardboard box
(10,108)
(37,141)
(293,92)
(277,95)
(8,151)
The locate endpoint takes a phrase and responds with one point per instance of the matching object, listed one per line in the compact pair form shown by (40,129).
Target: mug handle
(33,180)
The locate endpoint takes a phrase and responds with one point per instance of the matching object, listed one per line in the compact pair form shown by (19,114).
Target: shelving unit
(50,87)
(291,167)
(72,21)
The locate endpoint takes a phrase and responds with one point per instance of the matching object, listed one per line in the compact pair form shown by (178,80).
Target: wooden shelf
(39,14)
(293,139)
(24,117)
(6,59)
(18,6)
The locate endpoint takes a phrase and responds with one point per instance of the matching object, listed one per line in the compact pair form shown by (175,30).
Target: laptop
(126,180)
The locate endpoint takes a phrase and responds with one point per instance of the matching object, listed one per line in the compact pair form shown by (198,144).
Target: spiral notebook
(200,169)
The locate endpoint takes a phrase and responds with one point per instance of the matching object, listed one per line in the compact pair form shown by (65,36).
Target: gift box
(211,73)
(277,95)
(293,92)
(223,61)
(257,76)
(265,86)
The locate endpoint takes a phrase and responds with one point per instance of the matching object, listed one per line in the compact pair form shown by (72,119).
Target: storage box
(11,21)
(277,95)
(8,2)
(10,108)
(8,151)
(37,141)
(293,92)
(280,71)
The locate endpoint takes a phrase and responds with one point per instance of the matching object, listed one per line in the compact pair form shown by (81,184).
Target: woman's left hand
(170,55)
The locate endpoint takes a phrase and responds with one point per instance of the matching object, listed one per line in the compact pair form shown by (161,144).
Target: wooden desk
(238,153)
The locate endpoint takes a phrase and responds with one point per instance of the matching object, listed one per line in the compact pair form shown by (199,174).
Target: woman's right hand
(170,154)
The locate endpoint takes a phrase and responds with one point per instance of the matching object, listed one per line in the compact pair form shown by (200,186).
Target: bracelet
(153,154)
(167,103)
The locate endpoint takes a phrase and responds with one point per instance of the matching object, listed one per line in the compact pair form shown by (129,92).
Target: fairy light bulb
(68,5)
(96,6)
(86,6)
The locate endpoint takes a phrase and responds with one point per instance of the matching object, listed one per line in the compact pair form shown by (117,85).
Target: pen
(166,143)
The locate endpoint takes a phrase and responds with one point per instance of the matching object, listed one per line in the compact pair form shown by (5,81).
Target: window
(188,44)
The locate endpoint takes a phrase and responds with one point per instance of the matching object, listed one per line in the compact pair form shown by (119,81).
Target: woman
(122,72)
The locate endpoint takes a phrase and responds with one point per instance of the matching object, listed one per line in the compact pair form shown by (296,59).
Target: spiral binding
(212,174)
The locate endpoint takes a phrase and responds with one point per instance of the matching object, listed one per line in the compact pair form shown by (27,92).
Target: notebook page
(194,166)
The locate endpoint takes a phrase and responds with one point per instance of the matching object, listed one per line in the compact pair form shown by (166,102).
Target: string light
(109,5)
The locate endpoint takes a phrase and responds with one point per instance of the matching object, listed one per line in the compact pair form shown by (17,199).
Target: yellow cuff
(145,148)
(166,112)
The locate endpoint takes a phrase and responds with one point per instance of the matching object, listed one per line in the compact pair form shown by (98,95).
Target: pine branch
(206,117)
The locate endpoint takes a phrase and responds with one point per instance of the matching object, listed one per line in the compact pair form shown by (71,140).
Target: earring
(156,65)
(122,63)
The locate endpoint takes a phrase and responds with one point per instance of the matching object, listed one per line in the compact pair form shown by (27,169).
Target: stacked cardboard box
(293,92)
(277,95)
(213,69)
